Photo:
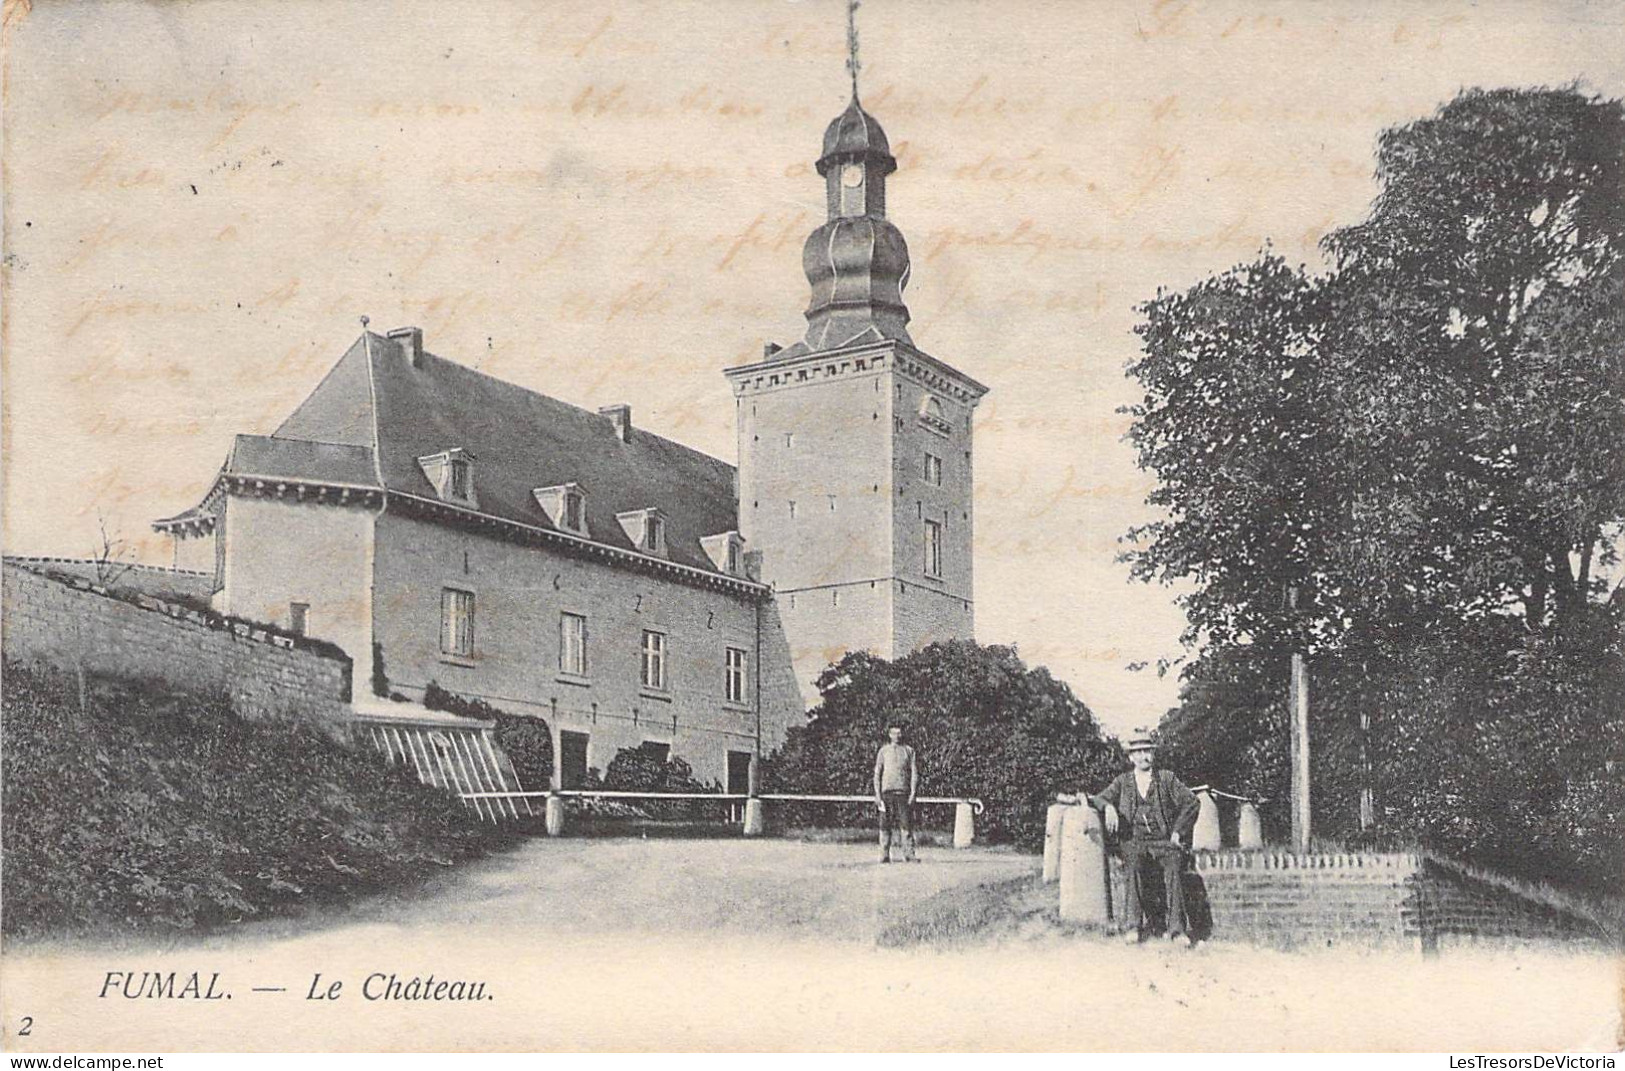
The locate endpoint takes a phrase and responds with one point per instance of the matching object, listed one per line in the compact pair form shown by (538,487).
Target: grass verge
(143,810)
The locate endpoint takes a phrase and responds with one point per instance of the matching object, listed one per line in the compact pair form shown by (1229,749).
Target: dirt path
(737,944)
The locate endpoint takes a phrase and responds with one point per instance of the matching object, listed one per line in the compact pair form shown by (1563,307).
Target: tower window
(931,470)
(933,548)
(792,508)
(932,418)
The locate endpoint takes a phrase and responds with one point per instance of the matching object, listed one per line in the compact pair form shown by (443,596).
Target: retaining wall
(1365,898)
(67,622)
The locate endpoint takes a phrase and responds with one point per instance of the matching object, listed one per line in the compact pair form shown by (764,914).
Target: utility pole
(1298,701)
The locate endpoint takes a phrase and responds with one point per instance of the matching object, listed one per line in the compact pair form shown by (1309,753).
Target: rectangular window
(572,511)
(298,617)
(654,659)
(657,750)
(933,548)
(734,675)
(457,622)
(933,470)
(457,479)
(651,533)
(573,644)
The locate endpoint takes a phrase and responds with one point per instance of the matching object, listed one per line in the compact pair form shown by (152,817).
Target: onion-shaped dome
(853,134)
(858,267)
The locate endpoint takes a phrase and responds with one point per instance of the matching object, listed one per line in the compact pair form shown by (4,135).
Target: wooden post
(1368,801)
(1298,717)
(1299,702)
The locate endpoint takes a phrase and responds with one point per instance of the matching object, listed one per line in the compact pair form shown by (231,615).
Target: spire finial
(365,320)
(852,64)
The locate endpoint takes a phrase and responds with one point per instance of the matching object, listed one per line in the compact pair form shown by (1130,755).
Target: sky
(606,203)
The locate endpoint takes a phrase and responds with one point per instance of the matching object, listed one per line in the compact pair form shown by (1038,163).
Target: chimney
(621,417)
(411,340)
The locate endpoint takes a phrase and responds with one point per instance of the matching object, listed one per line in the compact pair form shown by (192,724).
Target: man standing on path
(897,780)
(1159,812)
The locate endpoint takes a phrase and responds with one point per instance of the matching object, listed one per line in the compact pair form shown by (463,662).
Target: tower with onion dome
(855,457)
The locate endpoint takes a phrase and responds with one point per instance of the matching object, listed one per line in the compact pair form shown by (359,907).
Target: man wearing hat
(1153,812)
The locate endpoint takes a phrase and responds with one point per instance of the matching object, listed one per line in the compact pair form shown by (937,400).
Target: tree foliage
(981,722)
(1428,441)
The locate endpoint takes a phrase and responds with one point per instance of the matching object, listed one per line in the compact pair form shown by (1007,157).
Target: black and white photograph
(785,526)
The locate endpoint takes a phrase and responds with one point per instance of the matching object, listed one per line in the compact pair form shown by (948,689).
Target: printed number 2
(28,1025)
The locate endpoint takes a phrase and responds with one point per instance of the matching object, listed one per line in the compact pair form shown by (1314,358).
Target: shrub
(642,769)
(147,809)
(981,722)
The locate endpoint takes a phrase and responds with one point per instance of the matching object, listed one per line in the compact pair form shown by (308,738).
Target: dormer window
(726,551)
(646,528)
(565,505)
(452,475)
(457,478)
(931,417)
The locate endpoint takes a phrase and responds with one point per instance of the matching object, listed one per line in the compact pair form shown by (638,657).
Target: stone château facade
(443,525)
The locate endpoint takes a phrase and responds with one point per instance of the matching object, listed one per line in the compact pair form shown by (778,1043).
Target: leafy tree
(982,724)
(1428,439)
(1488,281)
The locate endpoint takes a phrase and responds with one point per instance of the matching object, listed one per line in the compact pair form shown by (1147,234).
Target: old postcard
(768,525)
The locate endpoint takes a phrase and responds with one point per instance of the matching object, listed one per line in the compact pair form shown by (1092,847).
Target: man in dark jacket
(1153,813)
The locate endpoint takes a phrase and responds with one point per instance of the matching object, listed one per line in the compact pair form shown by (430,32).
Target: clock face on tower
(852,175)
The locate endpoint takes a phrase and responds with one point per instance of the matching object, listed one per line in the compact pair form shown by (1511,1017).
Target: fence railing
(753,821)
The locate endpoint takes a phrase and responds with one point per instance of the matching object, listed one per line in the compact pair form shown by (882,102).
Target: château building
(445,526)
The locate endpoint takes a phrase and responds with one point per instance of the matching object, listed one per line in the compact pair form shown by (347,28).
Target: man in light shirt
(1155,813)
(897,781)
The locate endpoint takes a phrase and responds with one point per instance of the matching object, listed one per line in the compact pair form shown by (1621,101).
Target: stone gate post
(1085,896)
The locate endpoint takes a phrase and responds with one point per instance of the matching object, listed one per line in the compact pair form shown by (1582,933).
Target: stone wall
(127,577)
(65,621)
(1364,898)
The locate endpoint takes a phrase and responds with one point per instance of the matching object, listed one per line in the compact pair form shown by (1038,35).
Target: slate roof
(376,412)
